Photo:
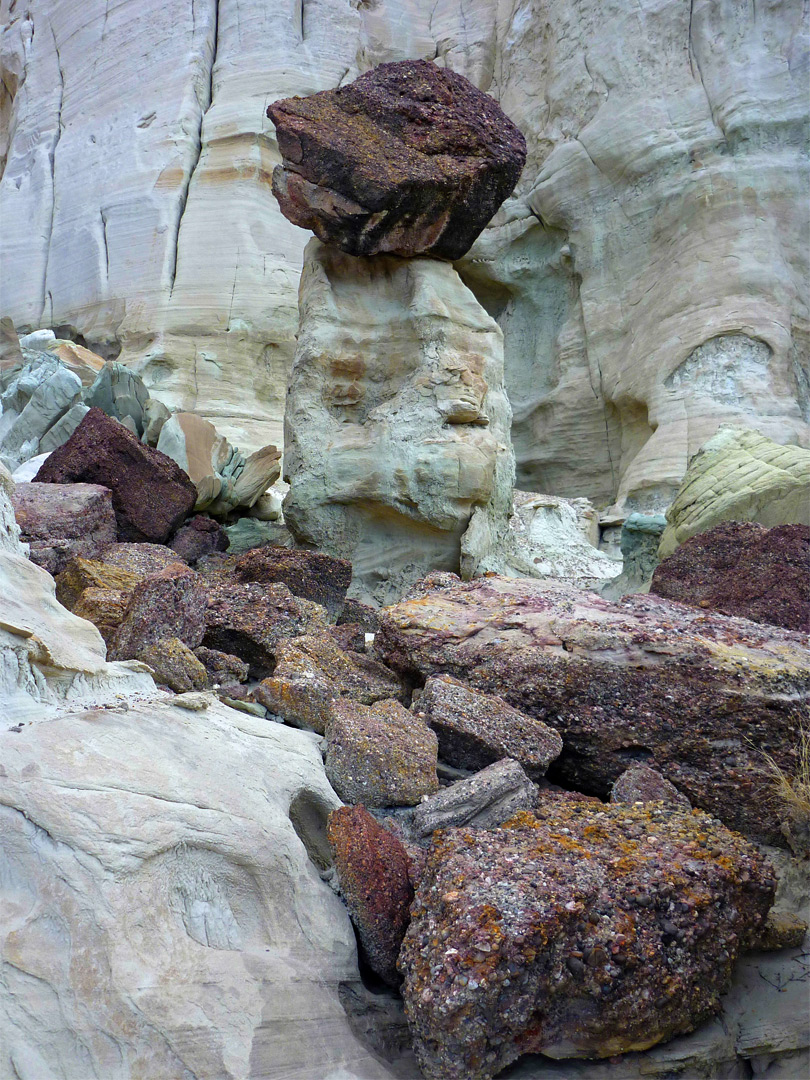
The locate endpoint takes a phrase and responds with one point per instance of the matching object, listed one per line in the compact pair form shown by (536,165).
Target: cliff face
(647,273)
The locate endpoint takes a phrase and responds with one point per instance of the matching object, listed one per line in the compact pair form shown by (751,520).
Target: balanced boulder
(409,159)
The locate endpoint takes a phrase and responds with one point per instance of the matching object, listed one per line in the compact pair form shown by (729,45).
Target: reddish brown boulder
(476,730)
(140,559)
(199,537)
(372,867)
(409,159)
(169,604)
(151,494)
(642,784)
(696,695)
(310,574)
(579,930)
(250,621)
(741,568)
(224,669)
(59,521)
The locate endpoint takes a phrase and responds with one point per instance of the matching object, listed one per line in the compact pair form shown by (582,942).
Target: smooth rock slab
(741,568)
(380,755)
(587,932)
(409,159)
(151,493)
(313,672)
(694,694)
(372,867)
(476,730)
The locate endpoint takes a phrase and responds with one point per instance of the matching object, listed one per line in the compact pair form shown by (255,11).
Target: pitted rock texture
(59,521)
(250,621)
(476,730)
(151,494)
(140,559)
(314,671)
(741,568)
(410,159)
(372,867)
(104,608)
(169,604)
(640,783)
(223,668)
(397,424)
(696,695)
(484,800)
(379,755)
(588,931)
(311,574)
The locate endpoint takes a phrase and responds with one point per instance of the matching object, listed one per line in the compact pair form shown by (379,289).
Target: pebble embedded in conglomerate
(578,930)
(640,783)
(477,729)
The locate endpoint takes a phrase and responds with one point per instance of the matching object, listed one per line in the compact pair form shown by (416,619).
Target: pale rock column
(397,423)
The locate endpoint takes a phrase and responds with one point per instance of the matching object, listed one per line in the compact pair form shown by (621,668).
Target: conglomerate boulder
(59,521)
(697,695)
(409,159)
(585,931)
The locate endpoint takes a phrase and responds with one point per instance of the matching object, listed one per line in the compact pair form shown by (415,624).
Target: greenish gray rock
(641,534)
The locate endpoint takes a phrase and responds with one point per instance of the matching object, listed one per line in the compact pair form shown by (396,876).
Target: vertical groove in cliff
(46,294)
(197,150)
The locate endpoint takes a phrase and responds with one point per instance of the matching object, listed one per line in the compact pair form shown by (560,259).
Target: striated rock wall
(647,273)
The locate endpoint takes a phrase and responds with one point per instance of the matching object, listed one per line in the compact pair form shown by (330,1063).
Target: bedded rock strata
(409,159)
(696,695)
(587,932)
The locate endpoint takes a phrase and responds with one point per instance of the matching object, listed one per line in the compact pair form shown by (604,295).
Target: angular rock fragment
(250,621)
(311,574)
(372,867)
(379,755)
(223,668)
(695,695)
(589,931)
(360,614)
(104,608)
(199,537)
(169,604)
(151,494)
(476,729)
(640,783)
(741,568)
(409,159)
(59,521)
(313,672)
(484,800)
(174,665)
(81,574)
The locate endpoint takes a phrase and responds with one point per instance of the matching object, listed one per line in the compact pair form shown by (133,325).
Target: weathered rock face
(483,800)
(151,494)
(410,159)
(172,603)
(642,784)
(397,425)
(372,868)
(199,537)
(59,521)
(739,475)
(640,538)
(584,932)
(696,695)
(310,574)
(741,568)
(174,665)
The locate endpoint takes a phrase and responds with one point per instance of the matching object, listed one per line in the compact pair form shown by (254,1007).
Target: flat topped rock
(409,159)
